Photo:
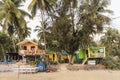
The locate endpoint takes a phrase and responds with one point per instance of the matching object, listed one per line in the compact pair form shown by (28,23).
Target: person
(33,51)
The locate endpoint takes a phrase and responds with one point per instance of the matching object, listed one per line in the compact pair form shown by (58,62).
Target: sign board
(91,62)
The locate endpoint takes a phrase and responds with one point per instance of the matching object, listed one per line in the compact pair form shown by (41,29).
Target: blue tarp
(42,66)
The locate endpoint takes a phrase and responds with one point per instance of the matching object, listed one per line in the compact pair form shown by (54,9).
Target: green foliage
(111,40)
(40,30)
(5,44)
(12,18)
(72,24)
(34,63)
(42,5)
(110,63)
(52,63)
(61,32)
(91,15)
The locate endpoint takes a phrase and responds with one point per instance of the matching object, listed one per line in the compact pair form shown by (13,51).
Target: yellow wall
(51,56)
(64,56)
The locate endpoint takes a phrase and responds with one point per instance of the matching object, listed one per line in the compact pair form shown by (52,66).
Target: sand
(64,74)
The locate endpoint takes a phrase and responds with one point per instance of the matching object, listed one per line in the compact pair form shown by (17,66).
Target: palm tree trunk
(42,14)
(71,59)
(3,52)
(13,42)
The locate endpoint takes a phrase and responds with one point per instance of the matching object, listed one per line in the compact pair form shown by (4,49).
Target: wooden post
(18,71)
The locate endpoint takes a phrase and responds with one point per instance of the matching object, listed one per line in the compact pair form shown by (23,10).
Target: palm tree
(111,41)
(24,32)
(40,30)
(12,17)
(43,6)
(5,43)
(17,2)
(91,17)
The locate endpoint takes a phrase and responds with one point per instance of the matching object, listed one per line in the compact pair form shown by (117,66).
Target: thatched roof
(26,41)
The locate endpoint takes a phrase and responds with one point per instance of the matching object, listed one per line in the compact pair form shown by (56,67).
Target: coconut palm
(24,32)
(111,41)
(17,2)
(11,17)
(43,6)
(40,30)
(5,43)
(91,17)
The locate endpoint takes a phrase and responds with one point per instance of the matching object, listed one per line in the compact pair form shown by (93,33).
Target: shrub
(34,63)
(110,63)
(52,63)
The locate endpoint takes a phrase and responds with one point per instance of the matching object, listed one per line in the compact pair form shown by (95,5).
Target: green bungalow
(93,53)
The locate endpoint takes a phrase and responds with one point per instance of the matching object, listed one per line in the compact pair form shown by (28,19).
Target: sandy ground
(64,74)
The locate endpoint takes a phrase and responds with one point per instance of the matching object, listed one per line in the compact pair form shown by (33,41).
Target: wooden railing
(35,52)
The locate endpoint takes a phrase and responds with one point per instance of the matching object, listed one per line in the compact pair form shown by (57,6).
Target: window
(25,48)
(32,47)
(101,50)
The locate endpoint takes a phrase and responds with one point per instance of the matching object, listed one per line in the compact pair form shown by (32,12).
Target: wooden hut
(52,55)
(29,48)
(64,57)
(93,53)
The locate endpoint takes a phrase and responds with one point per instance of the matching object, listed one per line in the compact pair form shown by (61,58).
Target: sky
(115,6)
(115,23)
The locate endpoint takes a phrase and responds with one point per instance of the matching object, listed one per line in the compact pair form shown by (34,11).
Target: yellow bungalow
(64,57)
(29,48)
(52,56)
